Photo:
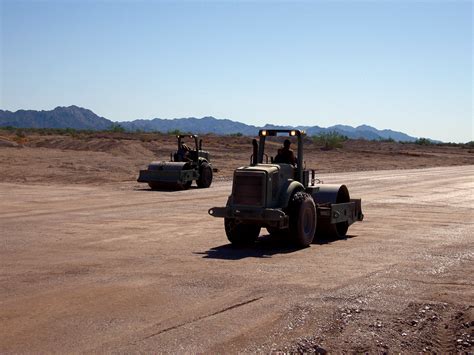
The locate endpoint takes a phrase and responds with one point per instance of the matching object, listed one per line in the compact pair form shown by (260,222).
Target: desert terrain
(92,261)
(100,158)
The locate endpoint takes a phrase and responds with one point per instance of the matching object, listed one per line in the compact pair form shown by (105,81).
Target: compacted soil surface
(91,261)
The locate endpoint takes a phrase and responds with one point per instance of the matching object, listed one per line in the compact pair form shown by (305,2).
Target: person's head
(287,143)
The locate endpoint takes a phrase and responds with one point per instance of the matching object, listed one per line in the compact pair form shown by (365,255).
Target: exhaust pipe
(255,152)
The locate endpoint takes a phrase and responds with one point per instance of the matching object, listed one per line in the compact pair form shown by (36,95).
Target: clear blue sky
(402,65)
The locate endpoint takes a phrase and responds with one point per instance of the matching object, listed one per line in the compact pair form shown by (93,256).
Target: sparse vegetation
(387,140)
(175,132)
(20,136)
(49,131)
(330,140)
(20,133)
(423,141)
(9,128)
(115,127)
(238,134)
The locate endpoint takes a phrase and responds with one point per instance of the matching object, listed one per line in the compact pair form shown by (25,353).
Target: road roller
(285,198)
(187,164)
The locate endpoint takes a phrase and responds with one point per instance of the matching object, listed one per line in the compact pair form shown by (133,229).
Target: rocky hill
(191,124)
(81,118)
(61,117)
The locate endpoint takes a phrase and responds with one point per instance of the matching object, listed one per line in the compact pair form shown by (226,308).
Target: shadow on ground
(165,189)
(329,240)
(265,247)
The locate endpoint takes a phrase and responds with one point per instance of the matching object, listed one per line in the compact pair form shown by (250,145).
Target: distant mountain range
(61,117)
(81,118)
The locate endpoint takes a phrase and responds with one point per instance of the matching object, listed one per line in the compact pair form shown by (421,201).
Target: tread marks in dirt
(202,317)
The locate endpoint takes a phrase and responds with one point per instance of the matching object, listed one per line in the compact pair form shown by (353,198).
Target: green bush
(175,132)
(8,128)
(423,141)
(116,128)
(330,140)
(388,140)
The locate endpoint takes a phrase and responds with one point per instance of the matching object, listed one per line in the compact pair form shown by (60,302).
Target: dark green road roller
(185,166)
(285,198)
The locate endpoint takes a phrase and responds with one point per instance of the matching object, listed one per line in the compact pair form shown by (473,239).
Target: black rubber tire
(302,212)
(277,232)
(187,185)
(154,185)
(240,233)
(205,176)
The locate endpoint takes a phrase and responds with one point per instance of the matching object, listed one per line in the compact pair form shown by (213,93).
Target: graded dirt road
(121,268)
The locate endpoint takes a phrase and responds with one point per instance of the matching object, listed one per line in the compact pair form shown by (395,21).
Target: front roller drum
(167,175)
(332,230)
(329,194)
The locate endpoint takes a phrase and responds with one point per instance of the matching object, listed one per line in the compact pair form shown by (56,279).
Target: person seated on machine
(183,153)
(285,154)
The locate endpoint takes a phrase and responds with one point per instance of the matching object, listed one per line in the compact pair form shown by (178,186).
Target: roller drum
(171,176)
(327,195)
(167,166)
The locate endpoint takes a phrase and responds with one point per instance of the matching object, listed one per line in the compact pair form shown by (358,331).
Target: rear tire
(205,176)
(240,233)
(277,232)
(154,185)
(302,212)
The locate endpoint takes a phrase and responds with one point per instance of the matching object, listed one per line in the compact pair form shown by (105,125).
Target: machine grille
(249,188)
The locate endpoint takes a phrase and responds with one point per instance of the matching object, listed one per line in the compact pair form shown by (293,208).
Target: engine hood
(268,168)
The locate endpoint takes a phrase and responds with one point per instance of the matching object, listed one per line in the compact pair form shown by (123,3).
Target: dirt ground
(99,158)
(92,261)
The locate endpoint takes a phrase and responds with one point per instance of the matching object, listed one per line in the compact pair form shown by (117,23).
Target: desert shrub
(387,140)
(20,136)
(70,132)
(238,134)
(8,128)
(330,140)
(423,141)
(450,144)
(20,133)
(115,127)
(176,132)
